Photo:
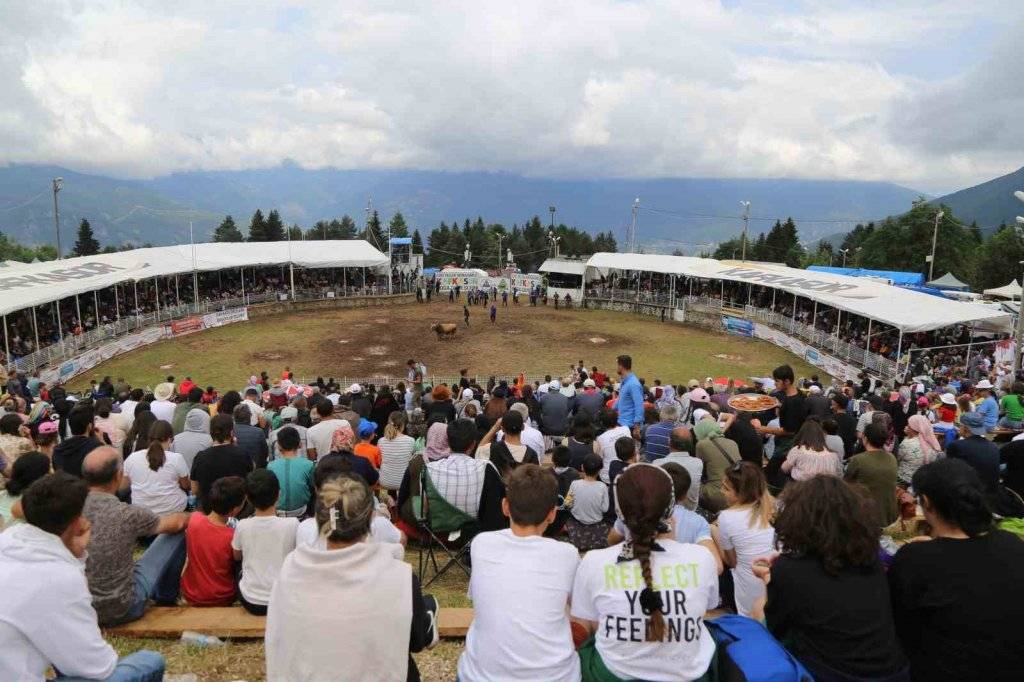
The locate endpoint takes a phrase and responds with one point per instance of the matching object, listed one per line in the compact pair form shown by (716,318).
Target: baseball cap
(288,413)
(355,388)
(589,383)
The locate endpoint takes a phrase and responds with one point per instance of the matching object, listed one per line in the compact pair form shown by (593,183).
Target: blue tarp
(401,241)
(429,272)
(898,278)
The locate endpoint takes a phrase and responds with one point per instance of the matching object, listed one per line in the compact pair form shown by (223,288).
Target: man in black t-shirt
(223,458)
(792,413)
(847,423)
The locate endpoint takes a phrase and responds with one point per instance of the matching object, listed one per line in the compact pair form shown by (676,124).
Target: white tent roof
(564,267)
(39,283)
(947,281)
(1011,291)
(904,309)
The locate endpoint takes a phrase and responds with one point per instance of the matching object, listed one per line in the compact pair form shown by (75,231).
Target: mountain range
(684,213)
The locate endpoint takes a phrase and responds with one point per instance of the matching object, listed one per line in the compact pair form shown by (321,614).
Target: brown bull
(444,331)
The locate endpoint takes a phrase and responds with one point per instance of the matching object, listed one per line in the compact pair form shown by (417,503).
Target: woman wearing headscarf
(668,396)
(920,447)
(719,454)
(342,441)
(437,442)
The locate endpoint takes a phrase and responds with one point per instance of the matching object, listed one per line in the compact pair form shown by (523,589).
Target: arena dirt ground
(376,342)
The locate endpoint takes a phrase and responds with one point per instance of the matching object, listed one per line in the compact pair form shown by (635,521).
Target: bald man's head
(680,440)
(101,467)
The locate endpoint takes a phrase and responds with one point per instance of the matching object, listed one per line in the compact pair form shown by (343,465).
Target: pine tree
(372,233)
(227,231)
(86,244)
(417,242)
(295,232)
(398,226)
(258,227)
(275,228)
(346,228)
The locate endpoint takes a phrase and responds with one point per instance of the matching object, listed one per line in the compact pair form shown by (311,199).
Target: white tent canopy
(40,283)
(909,311)
(1010,291)
(563,267)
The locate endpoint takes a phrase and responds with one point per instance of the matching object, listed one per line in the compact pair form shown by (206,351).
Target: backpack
(747,652)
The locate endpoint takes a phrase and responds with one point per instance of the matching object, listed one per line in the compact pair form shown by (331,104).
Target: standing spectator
(250,439)
(520,584)
(792,413)
(744,530)
(294,474)
(48,620)
(618,585)
(827,596)
(68,456)
(261,542)
(195,437)
(122,587)
(631,397)
(209,577)
(875,469)
(221,459)
(158,477)
(956,599)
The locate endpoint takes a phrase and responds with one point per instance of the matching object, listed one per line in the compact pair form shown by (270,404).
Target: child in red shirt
(209,577)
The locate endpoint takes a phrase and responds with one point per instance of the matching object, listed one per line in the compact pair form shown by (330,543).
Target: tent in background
(948,281)
(1010,291)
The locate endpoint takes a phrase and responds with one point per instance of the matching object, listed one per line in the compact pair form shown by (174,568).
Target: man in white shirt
(520,586)
(530,437)
(49,620)
(252,397)
(318,436)
(162,406)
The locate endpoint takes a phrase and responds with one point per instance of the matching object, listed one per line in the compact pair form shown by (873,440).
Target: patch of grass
(377,341)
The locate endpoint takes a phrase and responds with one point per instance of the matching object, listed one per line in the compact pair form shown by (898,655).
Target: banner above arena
(904,309)
(39,283)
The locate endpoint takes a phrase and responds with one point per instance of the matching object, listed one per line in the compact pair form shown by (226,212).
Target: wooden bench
(168,622)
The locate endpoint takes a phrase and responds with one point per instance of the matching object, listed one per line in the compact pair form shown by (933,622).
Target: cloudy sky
(927,94)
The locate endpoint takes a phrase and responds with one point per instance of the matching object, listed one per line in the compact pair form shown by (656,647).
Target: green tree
(730,249)
(275,227)
(227,231)
(976,232)
(855,239)
(86,244)
(417,242)
(295,232)
(398,226)
(903,243)
(258,227)
(373,234)
(782,244)
(999,259)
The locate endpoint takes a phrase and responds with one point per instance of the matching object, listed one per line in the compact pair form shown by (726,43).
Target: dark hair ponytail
(956,493)
(158,433)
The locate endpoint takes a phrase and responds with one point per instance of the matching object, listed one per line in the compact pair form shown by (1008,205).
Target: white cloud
(578,88)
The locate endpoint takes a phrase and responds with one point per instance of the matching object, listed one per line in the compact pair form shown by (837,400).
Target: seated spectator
(605,443)
(294,474)
(810,455)
(744,530)
(381,528)
(718,454)
(688,527)
(162,405)
(48,619)
(194,437)
(365,447)
(973,448)
(377,609)
(122,587)
(342,442)
(209,577)
(826,592)
(158,478)
(69,454)
(920,447)
(250,439)
(588,502)
(680,445)
(956,599)
(581,438)
(220,460)
(441,408)
(44,437)
(262,541)
(529,436)
(107,425)
(1012,405)
(28,469)
(657,435)
(396,449)
(741,429)
(875,469)
(193,401)
(625,453)
(833,441)
(289,419)
(318,436)
(509,452)
(520,585)
(623,585)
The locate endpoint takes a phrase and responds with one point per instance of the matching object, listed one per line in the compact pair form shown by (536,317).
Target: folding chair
(444,528)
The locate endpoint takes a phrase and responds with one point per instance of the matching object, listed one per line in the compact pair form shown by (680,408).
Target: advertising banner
(831,365)
(186,326)
(738,326)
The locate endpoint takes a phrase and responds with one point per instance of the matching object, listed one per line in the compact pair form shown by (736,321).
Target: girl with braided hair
(643,600)
(347,595)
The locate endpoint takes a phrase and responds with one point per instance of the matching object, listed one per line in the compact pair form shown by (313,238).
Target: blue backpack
(747,652)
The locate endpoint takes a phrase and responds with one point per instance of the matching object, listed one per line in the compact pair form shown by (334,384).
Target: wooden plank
(168,622)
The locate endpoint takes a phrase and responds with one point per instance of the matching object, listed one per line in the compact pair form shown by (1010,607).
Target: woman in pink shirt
(810,455)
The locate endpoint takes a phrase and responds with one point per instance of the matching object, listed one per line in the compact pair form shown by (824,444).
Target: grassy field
(244,660)
(376,342)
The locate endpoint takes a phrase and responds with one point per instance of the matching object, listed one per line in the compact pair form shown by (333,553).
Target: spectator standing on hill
(520,584)
(221,459)
(122,587)
(49,620)
(262,541)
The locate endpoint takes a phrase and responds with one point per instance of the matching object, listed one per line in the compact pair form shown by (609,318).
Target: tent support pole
(867,342)
(291,276)
(138,317)
(35,327)
(60,327)
(773,300)
(177,292)
(96,307)
(117,305)
(78,312)
(156,291)
(899,351)
(241,274)
(970,342)
(814,317)
(7,344)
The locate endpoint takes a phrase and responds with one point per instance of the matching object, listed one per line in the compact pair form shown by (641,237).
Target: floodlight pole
(57,184)
(935,237)
(1019,332)
(746,218)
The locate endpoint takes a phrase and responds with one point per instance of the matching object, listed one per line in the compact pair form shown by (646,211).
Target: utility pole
(746,217)
(57,184)
(935,237)
(551,209)
(631,237)
(500,236)
(1019,334)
